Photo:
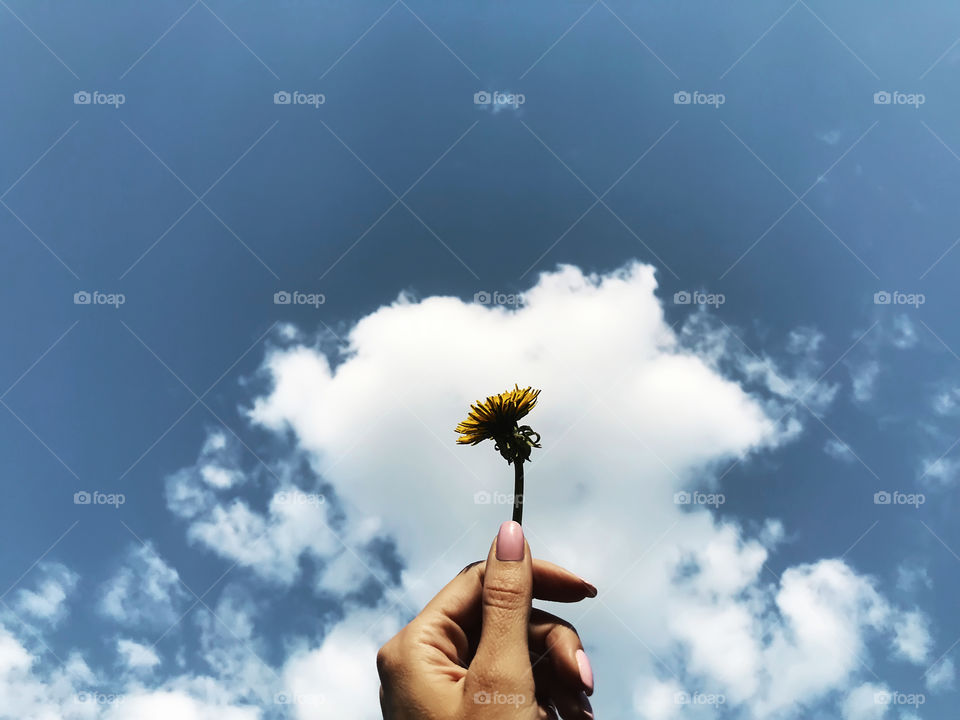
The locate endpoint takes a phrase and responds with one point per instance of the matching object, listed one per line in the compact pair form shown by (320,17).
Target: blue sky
(751,293)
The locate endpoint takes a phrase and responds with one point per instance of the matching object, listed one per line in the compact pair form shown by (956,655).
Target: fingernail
(591,588)
(510,541)
(586,672)
(585,704)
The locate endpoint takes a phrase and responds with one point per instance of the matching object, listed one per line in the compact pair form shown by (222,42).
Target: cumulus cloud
(48,601)
(136,656)
(827,612)
(912,639)
(145,592)
(864,377)
(839,450)
(632,412)
(941,676)
(801,385)
(913,576)
(183,705)
(940,472)
(376,507)
(947,402)
(231,649)
(30,688)
(865,703)
(904,333)
(338,674)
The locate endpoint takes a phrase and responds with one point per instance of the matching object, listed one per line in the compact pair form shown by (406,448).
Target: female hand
(479,651)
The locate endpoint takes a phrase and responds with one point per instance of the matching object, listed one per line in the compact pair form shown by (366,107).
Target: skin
(480,651)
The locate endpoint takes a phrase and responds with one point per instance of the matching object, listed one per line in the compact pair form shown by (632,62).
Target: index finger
(460,599)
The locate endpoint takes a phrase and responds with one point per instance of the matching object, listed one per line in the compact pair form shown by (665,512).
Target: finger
(558,645)
(571,703)
(550,581)
(459,600)
(547,712)
(502,655)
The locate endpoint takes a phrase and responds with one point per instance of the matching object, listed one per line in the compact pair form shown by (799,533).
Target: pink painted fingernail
(510,541)
(586,672)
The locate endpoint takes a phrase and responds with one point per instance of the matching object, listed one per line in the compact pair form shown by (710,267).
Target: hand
(479,651)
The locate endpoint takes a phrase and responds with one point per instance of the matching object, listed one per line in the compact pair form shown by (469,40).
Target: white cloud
(165,704)
(145,592)
(30,689)
(864,378)
(941,676)
(941,471)
(219,477)
(947,402)
(271,543)
(335,676)
(839,450)
(232,650)
(33,689)
(866,703)
(296,522)
(804,340)
(912,639)
(658,699)
(783,384)
(47,601)
(136,656)
(904,333)
(826,613)
(629,415)
(193,490)
(830,137)
(912,576)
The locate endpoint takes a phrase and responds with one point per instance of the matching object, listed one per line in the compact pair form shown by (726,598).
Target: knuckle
(388,658)
(504,596)
(562,634)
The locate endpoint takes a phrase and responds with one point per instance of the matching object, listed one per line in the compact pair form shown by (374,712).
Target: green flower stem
(518,492)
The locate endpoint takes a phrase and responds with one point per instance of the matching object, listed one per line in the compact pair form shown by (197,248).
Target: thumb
(502,654)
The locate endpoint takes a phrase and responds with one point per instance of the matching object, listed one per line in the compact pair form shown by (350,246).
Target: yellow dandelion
(496,419)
